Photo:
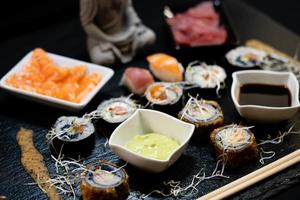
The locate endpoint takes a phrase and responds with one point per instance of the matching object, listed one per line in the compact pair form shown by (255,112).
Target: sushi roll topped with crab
(69,133)
(104,181)
(113,112)
(73,129)
(117,110)
(205,76)
(164,96)
(245,57)
(205,115)
(234,143)
(163,93)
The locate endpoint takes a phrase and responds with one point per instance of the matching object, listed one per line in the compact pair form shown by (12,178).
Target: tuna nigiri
(165,67)
(137,80)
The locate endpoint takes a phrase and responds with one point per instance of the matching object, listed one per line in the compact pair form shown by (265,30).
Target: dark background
(22,21)
(22,17)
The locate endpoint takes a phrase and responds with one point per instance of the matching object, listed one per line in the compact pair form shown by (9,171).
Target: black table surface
(67,38)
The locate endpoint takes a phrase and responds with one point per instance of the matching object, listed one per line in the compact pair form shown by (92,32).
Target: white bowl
(147,121)
(105,72)
(265,114)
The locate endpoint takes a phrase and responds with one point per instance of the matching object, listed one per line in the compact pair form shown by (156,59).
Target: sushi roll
(275,62)
(72,136)
(205,115)
(206,76)
(165,67)
(114,111)
(245,57)
(164,96)
(210,78)
(104,181)
(235,144)
(137,80)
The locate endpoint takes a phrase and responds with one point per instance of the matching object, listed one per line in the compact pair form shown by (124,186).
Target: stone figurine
(114,31)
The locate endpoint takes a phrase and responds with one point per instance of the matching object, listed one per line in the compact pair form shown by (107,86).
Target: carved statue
(114,31)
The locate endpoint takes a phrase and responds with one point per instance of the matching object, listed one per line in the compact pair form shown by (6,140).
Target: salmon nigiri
(165,67)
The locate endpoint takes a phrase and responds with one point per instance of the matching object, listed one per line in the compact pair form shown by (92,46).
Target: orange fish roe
(42,75)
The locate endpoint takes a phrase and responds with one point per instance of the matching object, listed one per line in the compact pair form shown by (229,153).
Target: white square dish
(148,121)
(106,74)
(265,114)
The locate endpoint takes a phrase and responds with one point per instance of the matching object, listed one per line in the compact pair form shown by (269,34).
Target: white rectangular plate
(106,74)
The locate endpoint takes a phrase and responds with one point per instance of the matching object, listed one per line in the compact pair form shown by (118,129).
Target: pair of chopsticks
(254,177)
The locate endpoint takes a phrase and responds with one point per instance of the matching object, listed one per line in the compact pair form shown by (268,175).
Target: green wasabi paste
(153,145)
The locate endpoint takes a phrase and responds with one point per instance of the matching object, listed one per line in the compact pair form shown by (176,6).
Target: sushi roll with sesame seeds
(69,133)
(235,144)
(104,181)
(115,111)
(205,115)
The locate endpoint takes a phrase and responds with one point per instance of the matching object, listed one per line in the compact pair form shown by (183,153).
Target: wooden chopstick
(254,177)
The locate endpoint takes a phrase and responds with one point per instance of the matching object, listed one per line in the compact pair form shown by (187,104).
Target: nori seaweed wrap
(72,136)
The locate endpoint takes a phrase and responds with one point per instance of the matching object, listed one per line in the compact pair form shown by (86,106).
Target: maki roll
(235,144)
(275,62)
(73,136)
(114,111)
(104,181)
(201,75)
(205,115)
(164,96)
(165,67)
(245,57)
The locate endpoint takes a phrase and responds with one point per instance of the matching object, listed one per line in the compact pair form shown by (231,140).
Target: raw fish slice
(198,26)
(165,67)
(87,84)
(204,10)
(187,30)
(137,80)
(76,73)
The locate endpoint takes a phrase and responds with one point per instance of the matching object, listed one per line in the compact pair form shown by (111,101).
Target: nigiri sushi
(165,67)
(235,144)
(137,80)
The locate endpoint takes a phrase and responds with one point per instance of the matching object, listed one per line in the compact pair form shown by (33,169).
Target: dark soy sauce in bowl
(265,95)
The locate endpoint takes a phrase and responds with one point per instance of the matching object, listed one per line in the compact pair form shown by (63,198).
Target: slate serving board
(16,113)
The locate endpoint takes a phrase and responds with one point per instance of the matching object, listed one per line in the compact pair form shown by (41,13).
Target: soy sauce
(265,95)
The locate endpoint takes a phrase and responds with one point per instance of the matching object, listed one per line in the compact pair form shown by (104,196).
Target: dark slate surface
(68,39)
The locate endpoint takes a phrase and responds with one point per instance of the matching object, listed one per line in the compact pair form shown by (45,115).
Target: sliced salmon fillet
(43,76)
